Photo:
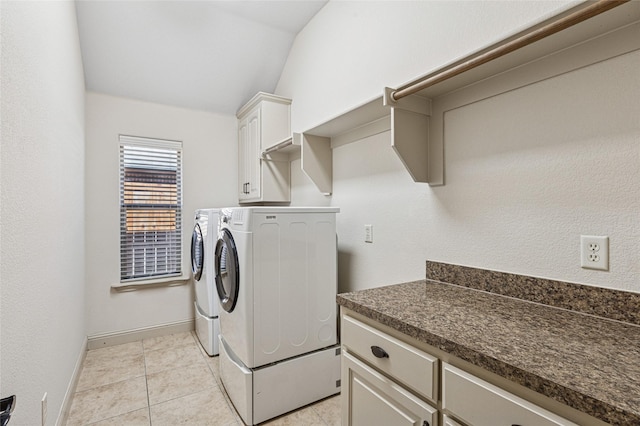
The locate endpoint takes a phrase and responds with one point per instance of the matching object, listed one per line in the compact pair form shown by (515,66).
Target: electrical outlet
(594,252)
(44,409)
(368,233)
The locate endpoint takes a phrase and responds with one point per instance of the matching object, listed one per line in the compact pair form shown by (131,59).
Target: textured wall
(209,180)
(42,175)
(351,50)
(527,172)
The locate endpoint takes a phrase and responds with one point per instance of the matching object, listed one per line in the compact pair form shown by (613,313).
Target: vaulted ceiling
(207,55)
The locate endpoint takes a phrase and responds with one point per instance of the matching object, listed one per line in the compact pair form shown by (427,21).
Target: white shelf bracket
(317,161)
(410,137)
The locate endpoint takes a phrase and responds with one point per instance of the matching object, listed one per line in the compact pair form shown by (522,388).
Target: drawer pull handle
(378,352)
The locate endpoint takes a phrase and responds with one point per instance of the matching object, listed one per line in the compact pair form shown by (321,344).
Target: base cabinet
(479,403)
(448,421)
(370,398)
(388,381)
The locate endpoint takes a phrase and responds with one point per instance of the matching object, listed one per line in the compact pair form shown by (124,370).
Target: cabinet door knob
(378,352)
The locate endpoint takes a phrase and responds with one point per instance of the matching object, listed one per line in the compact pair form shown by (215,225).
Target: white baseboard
(121,337)
(65,409)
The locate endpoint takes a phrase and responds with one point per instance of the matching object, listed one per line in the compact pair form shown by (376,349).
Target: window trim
(177,278)
(135,283)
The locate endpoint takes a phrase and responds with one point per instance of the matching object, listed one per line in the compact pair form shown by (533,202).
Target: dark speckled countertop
(587,362)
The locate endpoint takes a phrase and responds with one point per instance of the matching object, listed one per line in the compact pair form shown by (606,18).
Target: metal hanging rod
(551,28)
(284,144)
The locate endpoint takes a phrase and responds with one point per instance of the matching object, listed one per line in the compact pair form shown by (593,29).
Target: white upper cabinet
(263,122)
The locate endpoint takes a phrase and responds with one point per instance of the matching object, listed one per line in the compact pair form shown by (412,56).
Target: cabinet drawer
(373,399)
(410,366)
(480,403)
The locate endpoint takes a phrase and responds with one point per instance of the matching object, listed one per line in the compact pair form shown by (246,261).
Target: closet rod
(551,28)
(281,145)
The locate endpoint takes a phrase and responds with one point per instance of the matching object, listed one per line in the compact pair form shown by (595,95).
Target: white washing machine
(207,306)
(276,277)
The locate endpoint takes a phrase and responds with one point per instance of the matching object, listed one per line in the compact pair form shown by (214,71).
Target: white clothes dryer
(206,302)
(276,277)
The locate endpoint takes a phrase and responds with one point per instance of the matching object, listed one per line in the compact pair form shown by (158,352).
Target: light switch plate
(368,233)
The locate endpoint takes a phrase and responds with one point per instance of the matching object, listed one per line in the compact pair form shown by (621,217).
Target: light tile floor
(167,380)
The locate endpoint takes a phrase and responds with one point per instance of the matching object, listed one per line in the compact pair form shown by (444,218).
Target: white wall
(209,180)
(520,184)
(42,169)
(351,50)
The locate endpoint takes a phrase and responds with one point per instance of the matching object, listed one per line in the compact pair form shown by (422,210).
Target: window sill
(150,283)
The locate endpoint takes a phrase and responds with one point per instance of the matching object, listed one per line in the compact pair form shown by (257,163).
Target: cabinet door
(254,149)
(243,171)
(369,398)
(448,421)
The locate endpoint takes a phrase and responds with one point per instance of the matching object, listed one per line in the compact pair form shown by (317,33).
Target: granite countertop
(587,362)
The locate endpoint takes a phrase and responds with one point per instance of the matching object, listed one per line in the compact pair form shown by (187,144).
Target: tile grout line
(103,385)
(217,381)
(206,364)
(210,363)
(146,381)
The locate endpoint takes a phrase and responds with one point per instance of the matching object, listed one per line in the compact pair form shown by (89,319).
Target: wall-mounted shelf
(416,122)
(364,120)
(315,157)
(600,37)
(315,144)
(406,119)
(286,146)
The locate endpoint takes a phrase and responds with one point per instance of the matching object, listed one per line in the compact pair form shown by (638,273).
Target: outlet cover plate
(594,252)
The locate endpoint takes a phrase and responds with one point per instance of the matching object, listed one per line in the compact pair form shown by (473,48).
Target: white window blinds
(150,208)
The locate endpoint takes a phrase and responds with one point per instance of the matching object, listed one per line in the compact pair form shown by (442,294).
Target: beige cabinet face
(370,398)
(482,404)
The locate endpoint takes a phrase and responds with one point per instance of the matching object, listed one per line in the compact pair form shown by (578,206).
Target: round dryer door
(227,271)
(197,252)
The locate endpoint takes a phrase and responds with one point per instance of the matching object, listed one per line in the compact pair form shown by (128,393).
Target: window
(150,208)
